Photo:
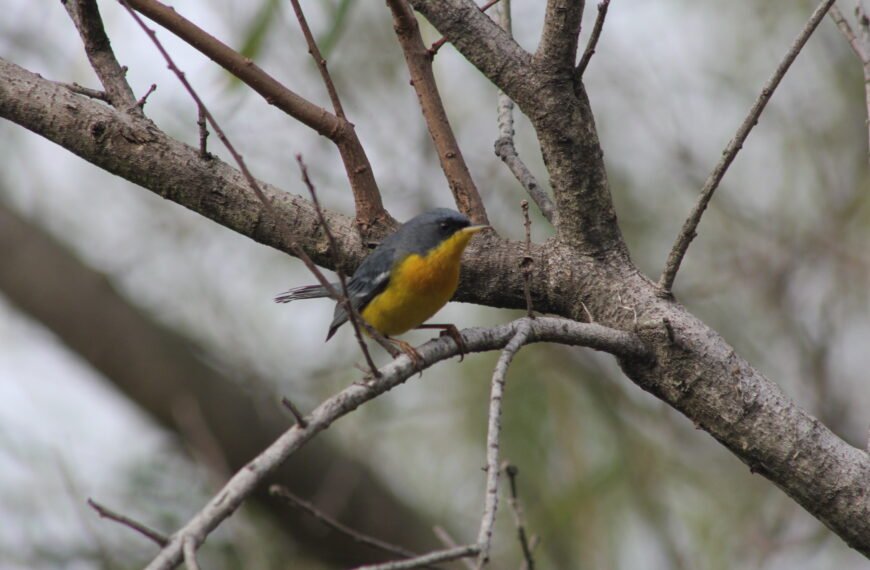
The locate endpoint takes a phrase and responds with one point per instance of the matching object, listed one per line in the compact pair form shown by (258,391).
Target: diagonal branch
(245,481)
(690,226)
(861,47)
(558,47)
(142,529)
(593,39)
(419,62)
(504,145)
(426,559)
(284,494)
(319,60)
(86,17)
(367,198)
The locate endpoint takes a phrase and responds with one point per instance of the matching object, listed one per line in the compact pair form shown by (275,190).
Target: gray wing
(368,281)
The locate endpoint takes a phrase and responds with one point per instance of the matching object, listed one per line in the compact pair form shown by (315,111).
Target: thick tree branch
(559,110)
(367,198)
(86,17)
(558,46)
(419,62)
(690,226)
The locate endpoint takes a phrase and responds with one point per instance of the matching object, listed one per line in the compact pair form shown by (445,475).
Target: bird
(408,278)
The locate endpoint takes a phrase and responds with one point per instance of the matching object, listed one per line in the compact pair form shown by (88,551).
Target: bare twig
(107,513)
(426,559)
(203,134)
(519,520)
(448,541)
(504,145)
(284,494)
(534,541)
(433,49)
(144,98)
(593,38)
(189,548)
(487,522)
(353,315)
(848,33)
(86,17)
(246,480)
(689,230)
(297,415)
(419,63)
(861,47)
(527,260)
(319,60)
(367,198)
(86,91)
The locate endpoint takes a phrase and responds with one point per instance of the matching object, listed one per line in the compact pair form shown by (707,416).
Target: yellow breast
(419,286)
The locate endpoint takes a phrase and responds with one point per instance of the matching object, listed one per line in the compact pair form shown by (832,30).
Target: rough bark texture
(587,266)
(164,374)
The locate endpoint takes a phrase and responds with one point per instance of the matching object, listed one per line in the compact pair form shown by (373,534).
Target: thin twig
(144,98)
(448,541)
(861,47)
(426,559)
(527,260)
(107,513)
(419,63)
(593,39)
(189,549)
(533,544)
(203,134)
(433,49)
(519,520)
(689,230)
(504,145)
(487,522)
(847,32)
(86,16)
(297,415)
(318,59)
(284,494)
(86,91)
(350,309)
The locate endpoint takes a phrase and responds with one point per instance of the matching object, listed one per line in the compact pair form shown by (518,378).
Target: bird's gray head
(427,230)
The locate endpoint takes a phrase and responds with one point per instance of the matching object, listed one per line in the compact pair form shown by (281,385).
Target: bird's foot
(452,332)
(410,351)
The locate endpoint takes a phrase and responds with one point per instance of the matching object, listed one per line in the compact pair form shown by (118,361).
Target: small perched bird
(406,279)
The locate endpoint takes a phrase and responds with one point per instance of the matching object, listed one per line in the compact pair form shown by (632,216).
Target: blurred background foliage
(609,476)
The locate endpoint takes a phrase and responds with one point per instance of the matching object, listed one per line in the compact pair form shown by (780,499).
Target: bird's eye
(444,225)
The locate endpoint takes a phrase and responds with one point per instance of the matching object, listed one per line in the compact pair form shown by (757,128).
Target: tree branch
(419,62)
(149,533)
(86,17)
(690,226)
(493,464)
(284,494)
(504,145)
(861,47)
(558,109)
(558,46)
(367,198)
(245,481)
(426,559)
(593,39)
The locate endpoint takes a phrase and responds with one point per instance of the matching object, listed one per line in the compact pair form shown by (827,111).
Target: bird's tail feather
(306,292)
